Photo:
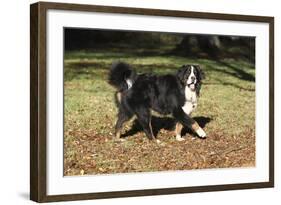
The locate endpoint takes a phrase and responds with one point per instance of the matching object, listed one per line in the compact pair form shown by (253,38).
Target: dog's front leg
(199,131)
(186,120)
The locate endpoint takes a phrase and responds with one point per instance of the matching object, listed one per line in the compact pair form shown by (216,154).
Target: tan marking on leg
(153,137)
(199,131)
(151,131)
(118,134)
(178,130)
(195,126)
(118,137)
(119,97)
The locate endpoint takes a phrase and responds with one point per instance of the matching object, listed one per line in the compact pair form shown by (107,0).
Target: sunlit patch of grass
(227,98)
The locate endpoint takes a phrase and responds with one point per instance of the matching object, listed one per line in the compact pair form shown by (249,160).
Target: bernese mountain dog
(175,94)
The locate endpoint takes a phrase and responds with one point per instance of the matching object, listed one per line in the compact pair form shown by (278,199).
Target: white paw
(179,138)
(201,133)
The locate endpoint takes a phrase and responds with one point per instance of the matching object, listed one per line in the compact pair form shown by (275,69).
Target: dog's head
(191,76)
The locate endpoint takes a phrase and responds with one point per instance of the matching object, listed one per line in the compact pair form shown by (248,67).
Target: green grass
(227,100)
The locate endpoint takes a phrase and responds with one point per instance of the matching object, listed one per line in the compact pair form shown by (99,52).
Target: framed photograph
(134,102)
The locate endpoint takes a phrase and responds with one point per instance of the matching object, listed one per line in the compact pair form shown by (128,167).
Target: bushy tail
(121,76)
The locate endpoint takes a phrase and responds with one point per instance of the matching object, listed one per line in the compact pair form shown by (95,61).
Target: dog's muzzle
(191,86)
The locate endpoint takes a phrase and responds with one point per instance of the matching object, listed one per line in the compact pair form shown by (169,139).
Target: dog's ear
(201,74)
(181,74)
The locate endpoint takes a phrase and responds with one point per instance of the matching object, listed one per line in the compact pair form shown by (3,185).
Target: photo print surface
(154,71)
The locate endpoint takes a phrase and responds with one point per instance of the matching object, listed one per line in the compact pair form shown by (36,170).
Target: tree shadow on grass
(166,123)
(90,69)
(234,71)
(238,72)
(157,124)
(220,82)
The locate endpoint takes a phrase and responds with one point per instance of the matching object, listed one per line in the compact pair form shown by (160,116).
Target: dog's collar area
(190,96)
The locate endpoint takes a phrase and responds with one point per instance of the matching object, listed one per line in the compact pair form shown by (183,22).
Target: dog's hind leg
(122,118)
(144,118)
(178,130)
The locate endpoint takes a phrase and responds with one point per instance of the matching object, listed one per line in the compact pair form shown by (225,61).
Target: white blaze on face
(189,79)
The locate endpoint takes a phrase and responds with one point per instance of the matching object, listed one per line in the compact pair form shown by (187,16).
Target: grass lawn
(226,110)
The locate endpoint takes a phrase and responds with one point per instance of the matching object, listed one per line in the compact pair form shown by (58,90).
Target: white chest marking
(191,101)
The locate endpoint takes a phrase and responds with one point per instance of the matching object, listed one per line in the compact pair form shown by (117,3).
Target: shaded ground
(226,110)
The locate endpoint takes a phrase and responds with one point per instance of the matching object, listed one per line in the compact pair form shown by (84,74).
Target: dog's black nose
(192,78)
